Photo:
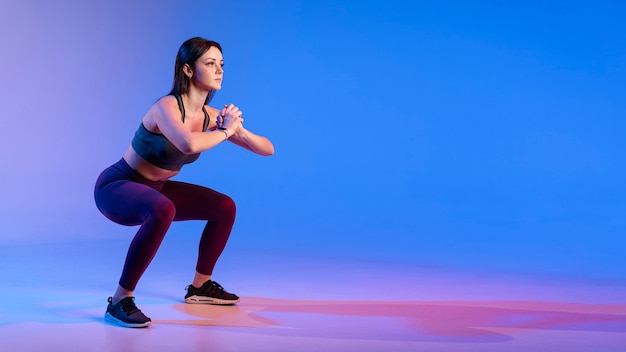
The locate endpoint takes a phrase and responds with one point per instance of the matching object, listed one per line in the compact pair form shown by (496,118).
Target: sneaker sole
(208,300)
(113,320)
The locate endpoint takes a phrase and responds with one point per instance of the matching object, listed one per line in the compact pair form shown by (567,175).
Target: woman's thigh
(127,202)
(194,202)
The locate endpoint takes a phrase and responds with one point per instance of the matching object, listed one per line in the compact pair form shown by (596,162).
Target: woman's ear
(187,70)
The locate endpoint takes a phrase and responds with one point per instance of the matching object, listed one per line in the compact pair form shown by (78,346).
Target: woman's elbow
(269,151)
(188,147)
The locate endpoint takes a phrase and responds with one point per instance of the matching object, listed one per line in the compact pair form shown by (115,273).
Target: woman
(137,190)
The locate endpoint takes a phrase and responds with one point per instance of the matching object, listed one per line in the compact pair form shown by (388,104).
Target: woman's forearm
(253,142)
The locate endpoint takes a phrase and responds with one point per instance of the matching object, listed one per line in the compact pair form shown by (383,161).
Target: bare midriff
(145,168)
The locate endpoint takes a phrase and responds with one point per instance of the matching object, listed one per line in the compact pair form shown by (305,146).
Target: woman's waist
(145,168)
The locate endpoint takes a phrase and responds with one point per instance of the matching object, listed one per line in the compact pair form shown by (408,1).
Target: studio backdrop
(471,134)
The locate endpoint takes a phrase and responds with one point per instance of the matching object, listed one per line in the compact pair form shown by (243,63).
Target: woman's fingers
(231,115)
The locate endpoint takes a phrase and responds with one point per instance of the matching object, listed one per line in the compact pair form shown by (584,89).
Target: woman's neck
(194,99)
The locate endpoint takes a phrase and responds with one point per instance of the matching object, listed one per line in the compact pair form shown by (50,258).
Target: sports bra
(159,151)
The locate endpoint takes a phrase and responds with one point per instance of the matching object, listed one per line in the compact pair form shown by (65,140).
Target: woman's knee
(228,207)
(163,209)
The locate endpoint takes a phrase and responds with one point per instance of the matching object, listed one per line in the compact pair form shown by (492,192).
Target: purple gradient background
(481,134)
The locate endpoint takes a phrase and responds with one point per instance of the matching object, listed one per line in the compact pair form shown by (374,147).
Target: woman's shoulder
(165,104)
(166,100)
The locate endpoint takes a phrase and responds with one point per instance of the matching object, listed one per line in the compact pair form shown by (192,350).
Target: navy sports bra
(159,151)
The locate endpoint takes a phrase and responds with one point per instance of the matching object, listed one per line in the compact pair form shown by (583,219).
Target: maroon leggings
(128,198)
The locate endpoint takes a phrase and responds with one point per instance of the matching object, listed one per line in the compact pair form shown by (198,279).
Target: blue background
(468,134)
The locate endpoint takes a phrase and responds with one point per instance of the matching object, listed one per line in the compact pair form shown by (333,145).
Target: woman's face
(209,69)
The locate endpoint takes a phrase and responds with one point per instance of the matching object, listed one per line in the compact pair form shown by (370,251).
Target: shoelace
(128,305)
(217,286)
(211,287)
(208,287)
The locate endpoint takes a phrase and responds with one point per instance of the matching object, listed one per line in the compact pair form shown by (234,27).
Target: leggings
(127,198)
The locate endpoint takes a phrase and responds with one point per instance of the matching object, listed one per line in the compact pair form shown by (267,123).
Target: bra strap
(207,120)
(181,107)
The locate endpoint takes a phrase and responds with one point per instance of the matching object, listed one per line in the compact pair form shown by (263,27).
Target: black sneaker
(210,293)
(125,313)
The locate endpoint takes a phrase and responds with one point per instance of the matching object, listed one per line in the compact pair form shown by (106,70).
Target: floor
(54,299)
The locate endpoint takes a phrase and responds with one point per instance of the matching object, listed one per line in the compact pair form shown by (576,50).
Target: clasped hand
(230,118)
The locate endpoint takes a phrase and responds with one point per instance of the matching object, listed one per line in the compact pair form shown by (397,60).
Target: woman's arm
(165,117)
(253,142)
(243,137)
